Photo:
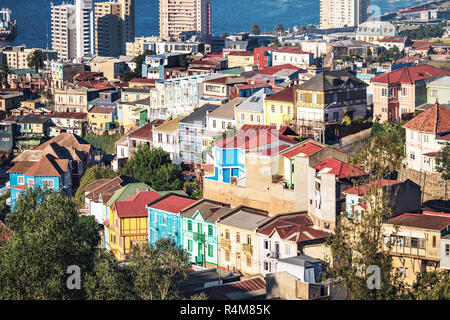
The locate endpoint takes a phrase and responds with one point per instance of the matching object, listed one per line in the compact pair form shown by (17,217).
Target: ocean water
(33,16)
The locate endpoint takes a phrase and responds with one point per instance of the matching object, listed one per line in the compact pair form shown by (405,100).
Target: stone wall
(432,185)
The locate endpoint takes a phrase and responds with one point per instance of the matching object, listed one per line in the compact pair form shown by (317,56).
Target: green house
(199,228)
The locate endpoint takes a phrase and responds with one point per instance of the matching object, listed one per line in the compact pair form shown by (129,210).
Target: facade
(63,72)
(426,135)
(176,17)
(240,59)
(280,107)
(166,136)
(200,232)
(102,118)
(346,13)
(85,26)
(191,135)
(251,111)
(287,236)
(222,118)
(74,100)
(136,48)
(128,223)
(63,31)
(292,55)
(49,172)
(16,57)
(416,246)
(164,220)
(70,122)
(238,240)
(439,89)
(328,97)
(373,31)
(401,91)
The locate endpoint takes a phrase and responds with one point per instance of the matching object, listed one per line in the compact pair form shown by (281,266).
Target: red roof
(421,45)
(135,206)
(286,95)
(221,80)
(339,168)
(296,228)
(142,80)
(410,74)
(241,53)
(173,203)
(361,190)
(103,110)
(305,150)
(48,166)
(274,69)
(252,86)
(297,50)
(435,119)
(417,220)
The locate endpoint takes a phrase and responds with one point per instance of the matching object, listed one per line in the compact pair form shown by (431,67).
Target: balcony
(275,255)
(247,249)
(224,243)
(198,236)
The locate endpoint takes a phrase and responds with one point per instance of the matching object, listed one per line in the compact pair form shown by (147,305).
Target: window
(281,109)
(287,249)
(300,96)
(30,182)
(190,245)
(314,98)
(384,110)
(249,261)
(273,108)
(414,242)
(412,156)
(425,138)
(242,116)
(384,92)
(164,219)
(47,184)
(266,244)
(434,241)
(210,231)
(251,117)
(174,220)
(189,225)
(238,237)
(210,250)
(266,266)
(249,239)
(391,92)
(20,180)
(223,124)
(433,93)
(227,234)
(214,123)
(289,109)
(227,255)
(447,250)
(404,92)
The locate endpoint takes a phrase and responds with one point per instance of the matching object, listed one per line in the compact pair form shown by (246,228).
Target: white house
(165,136)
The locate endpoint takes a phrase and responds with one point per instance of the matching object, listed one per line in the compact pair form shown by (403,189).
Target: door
(238,261)
(226,175)
(199,259)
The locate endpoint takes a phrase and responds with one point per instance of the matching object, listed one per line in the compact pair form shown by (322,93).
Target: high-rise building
(115,26)
(342,13)
(177,16)
(85,26)
(73,29)
(64,31)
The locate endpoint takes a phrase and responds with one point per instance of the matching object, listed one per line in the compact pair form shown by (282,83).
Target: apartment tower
(115,26)
(342,13)
(85,26)
(177,16)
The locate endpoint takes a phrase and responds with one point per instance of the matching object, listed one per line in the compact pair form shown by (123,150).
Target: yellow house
(416,245)
(100,118)
(240,59)
(128,223)
(238,240)
(280,107)
(251,111)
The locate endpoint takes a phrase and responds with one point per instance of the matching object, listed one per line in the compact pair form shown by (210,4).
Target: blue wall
(157,229)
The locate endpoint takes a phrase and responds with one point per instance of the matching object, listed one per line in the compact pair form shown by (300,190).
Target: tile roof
(68,140)
(435,119)
(304,150)
(47,166)
(144,132)
(361,190)
(102,110)
(169,125)
(338,168)
(410,74)
(286,95)
(417,220)
(128,191)
(172,203)
(227,110)
(143,80)
(135,206)
(331,80)
(110,186)
(209,210)
(69,115)
(274,69)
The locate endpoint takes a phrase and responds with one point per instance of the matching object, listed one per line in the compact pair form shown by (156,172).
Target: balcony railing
(224,243)
(275,255)
(247,249)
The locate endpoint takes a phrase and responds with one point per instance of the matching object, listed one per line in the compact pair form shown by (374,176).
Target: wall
(432,185)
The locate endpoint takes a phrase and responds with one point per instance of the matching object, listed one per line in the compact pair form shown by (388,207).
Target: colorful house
(251,111)
(200,233)
(238,240)
(102,118)
(129,223)
(164,219)
(280,107)
(49,172)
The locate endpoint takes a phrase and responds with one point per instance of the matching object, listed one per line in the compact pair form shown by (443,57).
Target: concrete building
(63,30)
(439,89)
(179,16)
(371,31)
(16,57)
(342,13)
(85,30)
(115,26)
(137,47)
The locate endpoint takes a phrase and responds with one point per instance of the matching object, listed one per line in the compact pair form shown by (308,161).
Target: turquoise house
(164,219)
(200,232)
(49,172)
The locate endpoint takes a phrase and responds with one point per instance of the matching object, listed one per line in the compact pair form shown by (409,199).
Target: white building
(221,119)
(165,136)
(292,55)
(426,134)
(342,13)
(85,26)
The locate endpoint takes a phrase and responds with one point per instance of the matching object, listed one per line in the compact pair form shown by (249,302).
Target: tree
(92,174)
(136,73)
(182,59)
(275,43)
(149,166)
(167,177)
(224,35)
(4,208)
(49,236)
(357,242)
(443,162)
(255,29)
(279,29)
(347,121)
(159,269)
(201,296)
(35,60)
(4,73)
(433,285)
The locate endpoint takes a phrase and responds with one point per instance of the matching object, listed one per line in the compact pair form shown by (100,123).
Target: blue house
(49,172)
(164,219)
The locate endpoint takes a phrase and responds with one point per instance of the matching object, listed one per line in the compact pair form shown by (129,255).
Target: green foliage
(275,43)
(347,121)
(136,73)
(255,29)
(4,73)
(193,189)
(92,174)
(35,60)
(48,238)
(154,168)
(433,285)
(425,31)
(390,55)
(443,162)
(201,296)
(4,208)
(105,141)
(279,28)
(159,269)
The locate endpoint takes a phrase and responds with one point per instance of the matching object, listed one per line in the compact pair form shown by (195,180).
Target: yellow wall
(237,248)
(247,119)
(99,120)
(278,117)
